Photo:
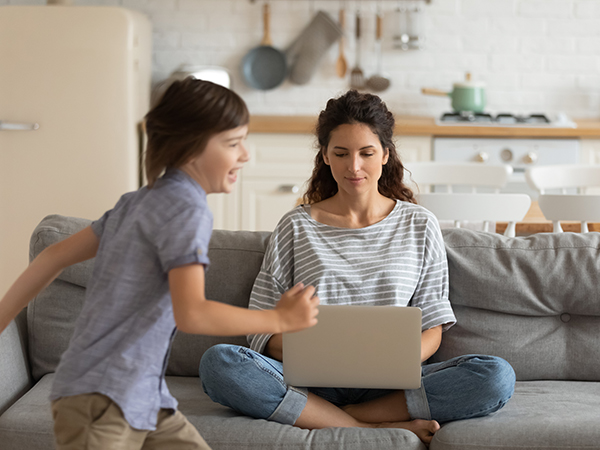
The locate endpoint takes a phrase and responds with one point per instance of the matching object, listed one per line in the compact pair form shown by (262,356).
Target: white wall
(534,55)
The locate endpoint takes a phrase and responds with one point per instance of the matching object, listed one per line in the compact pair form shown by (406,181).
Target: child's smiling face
(216,168)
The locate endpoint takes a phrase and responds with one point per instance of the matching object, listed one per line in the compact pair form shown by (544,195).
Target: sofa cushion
(51,315)
(28,425)
(534,301)
(542,415)
(235,261)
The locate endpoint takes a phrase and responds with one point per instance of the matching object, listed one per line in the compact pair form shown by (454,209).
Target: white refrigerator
(74,87)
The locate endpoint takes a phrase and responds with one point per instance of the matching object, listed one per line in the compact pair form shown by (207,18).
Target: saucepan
(467,96)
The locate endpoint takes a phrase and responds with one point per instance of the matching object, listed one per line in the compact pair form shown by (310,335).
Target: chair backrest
(473,175)
(583,208)
(511,208)
(563,177)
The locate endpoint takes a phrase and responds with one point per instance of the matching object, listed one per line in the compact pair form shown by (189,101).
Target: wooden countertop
(426,126)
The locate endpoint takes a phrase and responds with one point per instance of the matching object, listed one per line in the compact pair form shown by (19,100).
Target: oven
(518,153)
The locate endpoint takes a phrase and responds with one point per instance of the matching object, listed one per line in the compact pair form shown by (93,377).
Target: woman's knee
(242,379)
(502,378)
(497,379)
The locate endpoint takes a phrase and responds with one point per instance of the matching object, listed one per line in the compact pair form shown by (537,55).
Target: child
(148,279)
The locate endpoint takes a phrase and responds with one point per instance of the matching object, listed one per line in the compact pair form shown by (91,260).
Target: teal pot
(466,96)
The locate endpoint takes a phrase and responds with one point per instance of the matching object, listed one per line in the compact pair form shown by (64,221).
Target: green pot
(467,96)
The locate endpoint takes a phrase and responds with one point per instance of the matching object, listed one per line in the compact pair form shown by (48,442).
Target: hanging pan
(264,67)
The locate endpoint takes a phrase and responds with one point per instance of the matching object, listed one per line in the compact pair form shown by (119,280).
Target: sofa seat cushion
(542,415)
(224,429)
(28,425)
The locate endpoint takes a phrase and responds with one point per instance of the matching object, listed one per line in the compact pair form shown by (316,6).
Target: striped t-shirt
(399,261)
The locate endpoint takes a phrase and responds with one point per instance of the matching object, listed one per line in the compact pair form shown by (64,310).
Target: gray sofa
(534,301)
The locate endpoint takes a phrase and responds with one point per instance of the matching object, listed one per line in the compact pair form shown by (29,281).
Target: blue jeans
(252,384)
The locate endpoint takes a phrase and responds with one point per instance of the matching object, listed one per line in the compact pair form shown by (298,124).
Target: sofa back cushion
(534,301)
(235,261)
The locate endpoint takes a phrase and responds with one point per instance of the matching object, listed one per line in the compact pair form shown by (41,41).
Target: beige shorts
(94,421)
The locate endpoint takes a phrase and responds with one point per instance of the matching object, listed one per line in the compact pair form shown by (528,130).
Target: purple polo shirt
(120,347)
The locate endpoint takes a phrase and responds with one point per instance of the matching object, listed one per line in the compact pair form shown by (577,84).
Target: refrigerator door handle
(18,126)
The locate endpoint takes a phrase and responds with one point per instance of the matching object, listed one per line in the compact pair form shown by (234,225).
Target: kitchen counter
(426,126)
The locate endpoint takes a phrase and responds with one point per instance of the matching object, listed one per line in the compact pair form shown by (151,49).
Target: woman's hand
(297,308)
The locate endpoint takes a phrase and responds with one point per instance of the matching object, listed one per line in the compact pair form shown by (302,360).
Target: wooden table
(535,222)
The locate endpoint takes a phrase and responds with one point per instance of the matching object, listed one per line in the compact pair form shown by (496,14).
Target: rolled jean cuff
(417,404)
(291,406)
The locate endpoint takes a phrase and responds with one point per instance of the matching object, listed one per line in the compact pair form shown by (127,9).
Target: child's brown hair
(190,112)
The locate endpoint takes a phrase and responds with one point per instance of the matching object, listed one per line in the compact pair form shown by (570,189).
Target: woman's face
(356,158)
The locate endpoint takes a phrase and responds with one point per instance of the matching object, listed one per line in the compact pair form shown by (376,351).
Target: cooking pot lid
(469,84)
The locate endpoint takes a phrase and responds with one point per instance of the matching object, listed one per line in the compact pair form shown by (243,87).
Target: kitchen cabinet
(274,179)
(414,148)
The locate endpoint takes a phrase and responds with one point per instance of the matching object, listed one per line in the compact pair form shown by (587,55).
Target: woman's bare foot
(424,429)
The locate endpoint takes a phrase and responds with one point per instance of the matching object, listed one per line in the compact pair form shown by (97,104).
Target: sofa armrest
(15,376)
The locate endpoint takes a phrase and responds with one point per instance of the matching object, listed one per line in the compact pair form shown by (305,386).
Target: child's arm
(44,269)
(195,314)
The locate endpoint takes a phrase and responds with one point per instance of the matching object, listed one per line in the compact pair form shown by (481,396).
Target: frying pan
(264,67)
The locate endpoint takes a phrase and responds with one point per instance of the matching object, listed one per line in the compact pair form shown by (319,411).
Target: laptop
(375,347)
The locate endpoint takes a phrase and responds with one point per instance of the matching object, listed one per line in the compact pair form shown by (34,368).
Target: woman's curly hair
(357,108)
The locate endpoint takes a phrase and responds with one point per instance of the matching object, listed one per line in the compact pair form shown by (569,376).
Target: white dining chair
(555,183)
(488,208)
(577,207)
(563,177)
(475,176)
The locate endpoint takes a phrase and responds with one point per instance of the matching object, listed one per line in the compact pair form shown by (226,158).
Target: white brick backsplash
(179,21)
(214,6)
(589,46)
(208,40)
(166,40)
(573,27)
(518,27)
(572,64)
(590,83)
(517,63)
(587,9)
(488,8)
(149,6)
(544,81)
(548,45)
(546,8)
(491,44)
(533,55)
(504,81)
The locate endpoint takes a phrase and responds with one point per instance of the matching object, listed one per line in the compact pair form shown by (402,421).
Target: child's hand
(297,308)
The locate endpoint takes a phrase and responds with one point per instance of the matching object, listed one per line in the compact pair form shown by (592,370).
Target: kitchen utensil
(310,46)
(341,66)
(357,78)
(467,96)
(378,82)
(265,67)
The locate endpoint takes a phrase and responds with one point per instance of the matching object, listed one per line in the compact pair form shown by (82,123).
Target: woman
(360,240)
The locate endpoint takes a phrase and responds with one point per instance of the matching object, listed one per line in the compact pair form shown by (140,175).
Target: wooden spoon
(341,66)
